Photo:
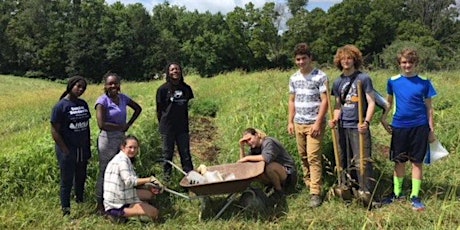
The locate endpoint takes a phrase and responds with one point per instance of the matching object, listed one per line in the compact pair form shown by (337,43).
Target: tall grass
(29,173)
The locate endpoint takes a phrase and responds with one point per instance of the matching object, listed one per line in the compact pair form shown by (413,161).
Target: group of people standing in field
(412,127)
(120,193)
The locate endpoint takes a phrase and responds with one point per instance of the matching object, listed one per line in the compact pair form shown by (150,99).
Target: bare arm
(137,111)
(253,158)
(336,113)
(430,113)
(321,115)
(291,113)
(385,113)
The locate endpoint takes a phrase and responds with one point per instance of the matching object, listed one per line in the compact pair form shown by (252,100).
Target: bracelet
(368,123)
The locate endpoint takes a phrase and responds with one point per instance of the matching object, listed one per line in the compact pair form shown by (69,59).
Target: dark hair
(255,132)
(127,138)
(168,78)
(107,75)
(302,49)
(71,83)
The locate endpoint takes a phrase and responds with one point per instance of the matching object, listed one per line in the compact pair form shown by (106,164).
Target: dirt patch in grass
(202,139)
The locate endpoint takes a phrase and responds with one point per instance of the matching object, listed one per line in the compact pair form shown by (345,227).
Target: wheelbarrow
(244,174)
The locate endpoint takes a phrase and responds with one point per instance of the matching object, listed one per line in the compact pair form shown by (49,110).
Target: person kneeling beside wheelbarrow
(124,193)
(280,171)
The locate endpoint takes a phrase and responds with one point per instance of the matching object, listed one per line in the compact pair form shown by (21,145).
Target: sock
(397,185)
(416,184)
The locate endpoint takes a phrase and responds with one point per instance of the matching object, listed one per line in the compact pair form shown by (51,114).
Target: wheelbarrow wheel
(206,211)
(254,201)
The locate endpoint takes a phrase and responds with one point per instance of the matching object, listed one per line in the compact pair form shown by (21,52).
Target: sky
(223,6)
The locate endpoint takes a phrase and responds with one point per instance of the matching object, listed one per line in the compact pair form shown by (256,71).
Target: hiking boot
(315,201)
(417,204)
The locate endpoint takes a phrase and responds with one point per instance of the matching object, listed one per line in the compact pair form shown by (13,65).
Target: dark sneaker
(117,219)
(66,211)
(417,204)
(315,201)
(392,199)
(278,195)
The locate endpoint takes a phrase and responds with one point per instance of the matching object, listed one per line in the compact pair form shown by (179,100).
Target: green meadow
(29,174)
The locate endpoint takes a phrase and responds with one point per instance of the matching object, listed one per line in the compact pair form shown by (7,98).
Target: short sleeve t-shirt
(73,116)
(273,151)
(409,95)
(172,104)
(307,90)
(114,113)
(349,110)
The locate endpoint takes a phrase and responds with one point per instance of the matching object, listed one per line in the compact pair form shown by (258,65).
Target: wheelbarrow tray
(244,173)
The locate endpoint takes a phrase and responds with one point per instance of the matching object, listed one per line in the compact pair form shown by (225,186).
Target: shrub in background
(204,107)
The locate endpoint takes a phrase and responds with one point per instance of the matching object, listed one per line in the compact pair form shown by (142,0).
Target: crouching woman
(126,195)
(280,171)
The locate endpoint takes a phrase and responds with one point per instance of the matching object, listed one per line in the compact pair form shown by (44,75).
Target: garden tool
(340,190)
(362,196)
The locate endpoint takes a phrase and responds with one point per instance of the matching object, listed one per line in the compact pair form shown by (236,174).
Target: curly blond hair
(348,50)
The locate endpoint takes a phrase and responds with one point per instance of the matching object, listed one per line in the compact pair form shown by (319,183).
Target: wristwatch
(368,123)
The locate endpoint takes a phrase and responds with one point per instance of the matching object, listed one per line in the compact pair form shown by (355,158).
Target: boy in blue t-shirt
(412,125)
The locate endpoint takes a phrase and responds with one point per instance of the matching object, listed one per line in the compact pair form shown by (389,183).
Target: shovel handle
(334,136)
(361,135)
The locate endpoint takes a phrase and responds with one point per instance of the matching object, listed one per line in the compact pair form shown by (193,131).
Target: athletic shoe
(417,204)
(392,199)
(66,211)
(315,201)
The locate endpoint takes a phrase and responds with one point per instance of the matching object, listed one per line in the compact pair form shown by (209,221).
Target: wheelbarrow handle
(172,164)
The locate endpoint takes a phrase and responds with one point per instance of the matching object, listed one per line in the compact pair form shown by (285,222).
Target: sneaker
(117,219)
(417,204)
(66,211)
(392,199)
(315,201)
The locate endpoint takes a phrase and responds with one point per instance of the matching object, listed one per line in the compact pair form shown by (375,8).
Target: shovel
(362,196)
(340,189)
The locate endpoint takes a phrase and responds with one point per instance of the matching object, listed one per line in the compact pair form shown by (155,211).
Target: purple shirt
(114,113)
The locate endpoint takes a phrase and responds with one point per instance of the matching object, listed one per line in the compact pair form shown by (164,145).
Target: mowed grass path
(244,100)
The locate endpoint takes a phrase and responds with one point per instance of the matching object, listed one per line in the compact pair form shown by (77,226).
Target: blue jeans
(73,172)
(183,145)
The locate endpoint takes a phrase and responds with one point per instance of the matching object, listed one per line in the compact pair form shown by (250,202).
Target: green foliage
(61,38)
(428,56)
(204,107)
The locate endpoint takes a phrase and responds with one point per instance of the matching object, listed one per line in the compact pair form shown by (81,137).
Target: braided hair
(71,83)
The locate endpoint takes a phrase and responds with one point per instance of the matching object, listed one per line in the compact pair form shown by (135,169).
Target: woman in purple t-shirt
(111,117)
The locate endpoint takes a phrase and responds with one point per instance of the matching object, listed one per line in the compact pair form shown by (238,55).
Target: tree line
(55,39)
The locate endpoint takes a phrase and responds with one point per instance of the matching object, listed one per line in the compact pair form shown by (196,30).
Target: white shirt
(120,180)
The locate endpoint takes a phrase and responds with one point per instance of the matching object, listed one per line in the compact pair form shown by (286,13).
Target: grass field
(29,176)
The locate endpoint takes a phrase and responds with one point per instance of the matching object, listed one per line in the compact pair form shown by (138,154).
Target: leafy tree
(36,33)
(308,27)
(428,56)
(296,6)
